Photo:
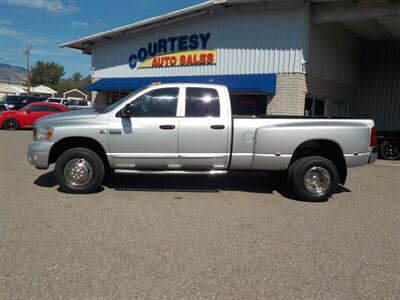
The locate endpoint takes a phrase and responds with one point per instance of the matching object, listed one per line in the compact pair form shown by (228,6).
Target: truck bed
(269,142)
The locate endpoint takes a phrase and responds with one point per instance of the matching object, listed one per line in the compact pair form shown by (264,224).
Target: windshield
(3,100)
(24,108)
(116,104)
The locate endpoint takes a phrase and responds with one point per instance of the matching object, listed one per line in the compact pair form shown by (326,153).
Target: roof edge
(177,13)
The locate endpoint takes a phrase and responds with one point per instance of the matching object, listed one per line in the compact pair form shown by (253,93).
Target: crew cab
(189,129)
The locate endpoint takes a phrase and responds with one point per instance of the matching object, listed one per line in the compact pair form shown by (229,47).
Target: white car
(58,101)
(78,104)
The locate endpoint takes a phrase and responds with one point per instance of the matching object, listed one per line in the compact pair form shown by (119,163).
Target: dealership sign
(186,58)
(162,46)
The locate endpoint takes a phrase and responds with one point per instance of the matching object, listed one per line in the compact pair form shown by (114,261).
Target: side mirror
(126,112)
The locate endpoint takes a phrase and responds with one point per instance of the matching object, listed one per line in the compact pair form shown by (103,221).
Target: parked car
(18,102)
(26,116)
(61,101)
(189,129)
(389,144)
(78,104)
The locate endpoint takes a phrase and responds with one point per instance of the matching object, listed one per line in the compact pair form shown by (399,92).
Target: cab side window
(202,102)
(157,103)
(53,109)
(38,108)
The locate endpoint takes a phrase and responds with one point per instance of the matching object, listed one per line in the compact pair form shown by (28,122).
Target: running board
(171,172)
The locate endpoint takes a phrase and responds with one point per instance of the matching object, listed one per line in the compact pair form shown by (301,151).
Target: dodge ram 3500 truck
(189,129)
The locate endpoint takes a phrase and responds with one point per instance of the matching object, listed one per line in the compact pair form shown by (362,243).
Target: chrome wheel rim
(10,124)
(317,180)
(78,171)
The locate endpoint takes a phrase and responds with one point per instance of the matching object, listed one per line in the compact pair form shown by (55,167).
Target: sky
(48,23)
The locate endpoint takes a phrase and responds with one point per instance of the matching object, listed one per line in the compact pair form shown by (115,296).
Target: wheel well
(324,148)
(74,142)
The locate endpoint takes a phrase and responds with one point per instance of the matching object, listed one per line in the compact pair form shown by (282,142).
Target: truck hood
(67,116)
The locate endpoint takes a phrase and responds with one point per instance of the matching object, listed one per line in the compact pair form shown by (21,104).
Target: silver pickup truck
(189,129)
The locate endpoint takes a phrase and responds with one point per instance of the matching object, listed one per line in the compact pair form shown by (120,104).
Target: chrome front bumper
(38,154)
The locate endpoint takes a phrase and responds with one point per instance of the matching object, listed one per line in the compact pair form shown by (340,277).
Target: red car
(26,116)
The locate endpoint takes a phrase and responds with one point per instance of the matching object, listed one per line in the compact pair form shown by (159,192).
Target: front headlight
(41,134)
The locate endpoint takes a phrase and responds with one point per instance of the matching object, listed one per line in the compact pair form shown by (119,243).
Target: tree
(70,84)
(50,74)
(46,73)
(76,77)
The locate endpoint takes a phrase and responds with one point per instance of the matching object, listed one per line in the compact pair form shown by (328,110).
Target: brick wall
(290,95)
(292,89)
(99,99)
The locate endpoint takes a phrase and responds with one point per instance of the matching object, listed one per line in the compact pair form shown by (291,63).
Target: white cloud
(27,38)
(79,23)
(50,52)
(6,31)
(5,22)
(53,6)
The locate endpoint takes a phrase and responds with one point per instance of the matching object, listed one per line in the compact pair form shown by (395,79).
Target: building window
(249,104)
(314,107)
(341,108)
(113,97)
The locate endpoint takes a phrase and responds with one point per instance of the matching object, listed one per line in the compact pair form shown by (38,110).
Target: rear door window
(202,102)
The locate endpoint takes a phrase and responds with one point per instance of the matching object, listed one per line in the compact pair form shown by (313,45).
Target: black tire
(389,150)
(290,172)
(77,160)
(11,124)
(323,178)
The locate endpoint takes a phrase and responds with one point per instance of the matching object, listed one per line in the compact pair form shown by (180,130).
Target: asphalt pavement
(236,237)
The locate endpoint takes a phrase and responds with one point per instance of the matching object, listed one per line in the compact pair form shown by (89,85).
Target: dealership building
(295,57)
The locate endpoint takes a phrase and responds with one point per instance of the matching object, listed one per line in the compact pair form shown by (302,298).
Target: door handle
(167,127)
(115,131)
(217,127)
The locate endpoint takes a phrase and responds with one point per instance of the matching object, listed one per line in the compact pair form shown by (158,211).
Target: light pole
(28,80)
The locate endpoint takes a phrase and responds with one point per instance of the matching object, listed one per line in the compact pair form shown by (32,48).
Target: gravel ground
(236,237)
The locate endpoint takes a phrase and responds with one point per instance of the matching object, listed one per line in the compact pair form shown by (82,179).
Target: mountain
(12,73)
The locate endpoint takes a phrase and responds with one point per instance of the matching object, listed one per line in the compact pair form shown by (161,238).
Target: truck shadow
(259,182)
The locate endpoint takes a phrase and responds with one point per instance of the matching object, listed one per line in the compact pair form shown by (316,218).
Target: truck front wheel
(79,171)
(314,178)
